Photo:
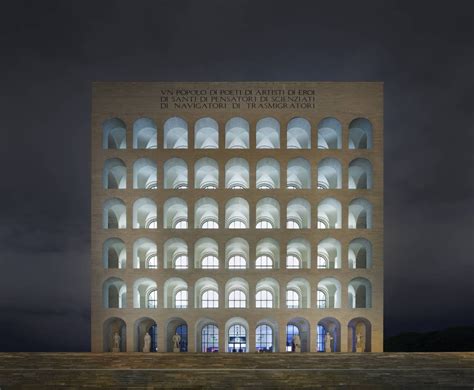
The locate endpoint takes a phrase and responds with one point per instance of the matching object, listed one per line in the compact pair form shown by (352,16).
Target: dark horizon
(53,50)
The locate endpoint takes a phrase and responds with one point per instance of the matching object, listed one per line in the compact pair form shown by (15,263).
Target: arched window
(175,173)
(113,131)
(360,293)
(329,214)
(237,339)
(329,134)
(360,134)
(144,174)
(237,223)
(237,173)
(360,174)
(292,224)
(144,214)
(114,214)
(264,299)
(114,254)
(206,134)
(237,299)
(360,253)
(152,299)
(114,174)
(298,174)
(322,262)
(298,134)
(268,134)
(237,213)
(321,299)
(237,262)
(268,174)
(329,253)
(144,134)
(360,214)
(210,224)
(181,262)
(210,262)
(175,214)
(152,261)
(292,299)
(237,134)
(268,214)
(210,299)
(298,214)
(181,299)
(267,254)
(291,332)
(210,338)
(298,254)
(206,174)
(206,214)
(176,134)
(264,338)
(264,224)
(264,262)
(293,262)
(329,174)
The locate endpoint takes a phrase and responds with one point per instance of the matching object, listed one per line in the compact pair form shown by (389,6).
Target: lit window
(210,299)
(151,223)
(152,261)
(292,299)
(181,299)
(264,338)
(323,224)
(293,262)
(152,301)
(264,299)
(210,262)
(264,262)
(321,337)
(209,186)
(237,299)
(237,224)
(322,262)
(321,300)
(181,262)
(264,224)
(237,262)
(210,224)
(181,224)
(292,224)
(210,338)
(291,332)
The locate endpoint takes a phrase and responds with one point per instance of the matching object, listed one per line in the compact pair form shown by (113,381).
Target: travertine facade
(237,215)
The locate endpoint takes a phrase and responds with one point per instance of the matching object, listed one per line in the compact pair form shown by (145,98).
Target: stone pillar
(130,337)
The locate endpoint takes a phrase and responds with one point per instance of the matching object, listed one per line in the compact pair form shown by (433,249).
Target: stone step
(219,370)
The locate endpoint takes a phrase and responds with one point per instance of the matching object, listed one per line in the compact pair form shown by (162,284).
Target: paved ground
(276,370)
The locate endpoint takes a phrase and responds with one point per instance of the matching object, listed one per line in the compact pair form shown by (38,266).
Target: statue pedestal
(359,349)
(298,349)
(176,350)
(145,350)
(115,349)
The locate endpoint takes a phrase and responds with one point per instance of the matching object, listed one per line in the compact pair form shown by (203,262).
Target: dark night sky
(51,51)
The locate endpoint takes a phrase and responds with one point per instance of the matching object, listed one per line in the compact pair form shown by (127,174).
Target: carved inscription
(238,99)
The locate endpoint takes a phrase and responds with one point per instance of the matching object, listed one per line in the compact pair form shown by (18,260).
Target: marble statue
(360,345)
(146,342)
(297,343)
(176,339)
(116,347)
(327,342)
